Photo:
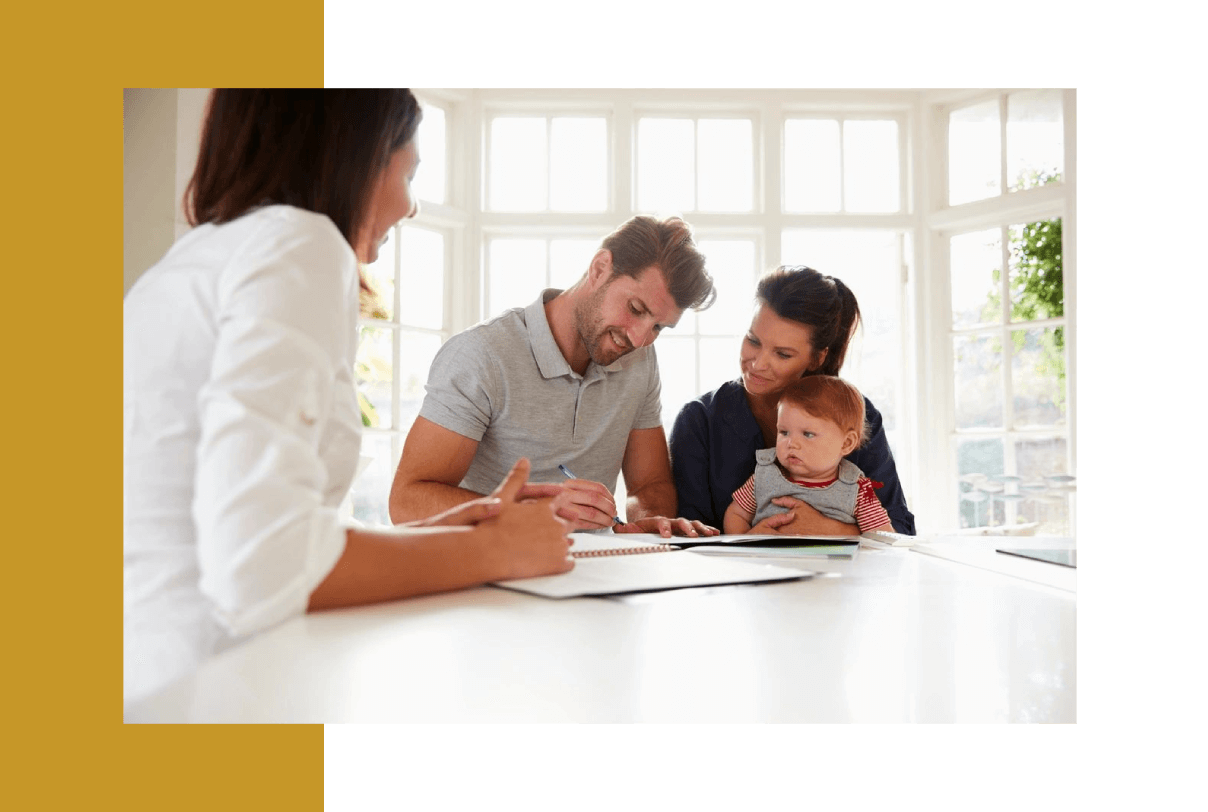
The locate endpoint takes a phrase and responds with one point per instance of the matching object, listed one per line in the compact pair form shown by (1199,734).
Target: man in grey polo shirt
(570,380)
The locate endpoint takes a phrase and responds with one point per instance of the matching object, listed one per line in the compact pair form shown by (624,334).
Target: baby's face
(810,447)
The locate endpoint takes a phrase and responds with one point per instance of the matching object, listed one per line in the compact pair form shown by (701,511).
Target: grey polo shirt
(505,383)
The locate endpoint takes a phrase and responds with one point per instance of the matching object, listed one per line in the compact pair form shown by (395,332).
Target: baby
(819,420)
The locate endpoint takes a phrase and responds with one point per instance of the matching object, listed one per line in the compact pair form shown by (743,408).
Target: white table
(891,636)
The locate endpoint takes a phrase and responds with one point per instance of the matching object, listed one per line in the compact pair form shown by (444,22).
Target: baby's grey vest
(836,501)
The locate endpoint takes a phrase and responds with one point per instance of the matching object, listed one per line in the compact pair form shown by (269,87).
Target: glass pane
(718,361)
(732,266)
(517,164)
(811,165)
(666,165)
(677,370)
(515,274)
(976,462)
(1047,500)
(978,369)
(725,164)
(423,280)
(976,264)
(974,153)
(568,261)
(1035,138)
(1037,285)
(578,156)
(371,490)
(1038,377)
(869,262)
(416,351)
(381,274)
(430,183)
(870,166)
(375,376)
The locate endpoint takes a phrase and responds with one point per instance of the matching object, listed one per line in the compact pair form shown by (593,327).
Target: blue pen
(566,472)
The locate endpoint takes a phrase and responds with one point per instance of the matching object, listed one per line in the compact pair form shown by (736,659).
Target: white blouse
(241,434)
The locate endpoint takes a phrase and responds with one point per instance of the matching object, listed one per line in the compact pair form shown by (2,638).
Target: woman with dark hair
(802,325)
(242,431)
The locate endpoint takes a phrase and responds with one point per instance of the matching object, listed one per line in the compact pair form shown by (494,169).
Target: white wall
(161,131)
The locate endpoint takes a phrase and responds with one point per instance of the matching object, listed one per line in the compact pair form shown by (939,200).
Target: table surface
(893,635)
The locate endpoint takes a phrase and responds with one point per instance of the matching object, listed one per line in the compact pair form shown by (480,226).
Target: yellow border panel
(66,65)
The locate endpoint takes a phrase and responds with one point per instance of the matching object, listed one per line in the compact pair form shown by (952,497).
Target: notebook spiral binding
(652,548)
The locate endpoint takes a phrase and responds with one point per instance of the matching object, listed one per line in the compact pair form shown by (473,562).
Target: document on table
(774,546)
(619,569)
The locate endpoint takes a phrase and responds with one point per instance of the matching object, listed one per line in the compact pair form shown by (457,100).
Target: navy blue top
(713,445)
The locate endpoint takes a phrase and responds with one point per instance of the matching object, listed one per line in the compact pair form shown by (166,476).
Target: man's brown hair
(644,241)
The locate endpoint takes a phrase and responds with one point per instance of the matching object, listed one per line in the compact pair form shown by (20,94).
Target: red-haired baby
(819,420)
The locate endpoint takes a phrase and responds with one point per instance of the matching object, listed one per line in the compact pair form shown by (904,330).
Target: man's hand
(666,528)
(588,505)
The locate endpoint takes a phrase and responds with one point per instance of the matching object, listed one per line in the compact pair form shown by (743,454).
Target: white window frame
(938,500)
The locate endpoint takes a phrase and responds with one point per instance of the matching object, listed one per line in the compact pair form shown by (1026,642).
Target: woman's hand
(526,537)
(802,519)
(667,527)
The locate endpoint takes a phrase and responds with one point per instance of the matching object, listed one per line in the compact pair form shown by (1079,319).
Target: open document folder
(607,564)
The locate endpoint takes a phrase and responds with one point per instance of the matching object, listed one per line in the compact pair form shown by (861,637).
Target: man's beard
(595,336)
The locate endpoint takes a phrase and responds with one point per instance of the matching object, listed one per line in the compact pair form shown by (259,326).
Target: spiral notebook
(607,564)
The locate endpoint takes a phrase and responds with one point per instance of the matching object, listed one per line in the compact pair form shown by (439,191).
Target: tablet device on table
(1066,558)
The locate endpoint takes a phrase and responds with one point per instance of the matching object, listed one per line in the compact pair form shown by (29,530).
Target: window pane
(423,261)
(732,266)
(666,165)
(976,462)
(430,183)
(870,166)
(518,164)
(974,153)
(381,274)
(725,164)
(375,376)
(1037,285)
(568,261)
(976,261)
(1041,462)
(1035,138)
(515,273)
(1038,377)
(416,351)
(371,489)
(978,369)
(811,165)
(578,164)
(677,371)
(719,361)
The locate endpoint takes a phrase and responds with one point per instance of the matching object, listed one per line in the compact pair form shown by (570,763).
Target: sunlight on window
(568,261)
(977,361)
(380,275)
(976,273)
(811,165)
(870,166)
(719,359)
(974,153)
(416,351)
(677,371)
(869,263)
(725,164)
(375,376)
(430,181)
(666,175)
(732,265)
(1035,137)
(1038,377)
(516,270)
(578,164)
(518,164)
(423,278)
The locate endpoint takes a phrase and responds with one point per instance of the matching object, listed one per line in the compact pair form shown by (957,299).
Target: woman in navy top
(802,325)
